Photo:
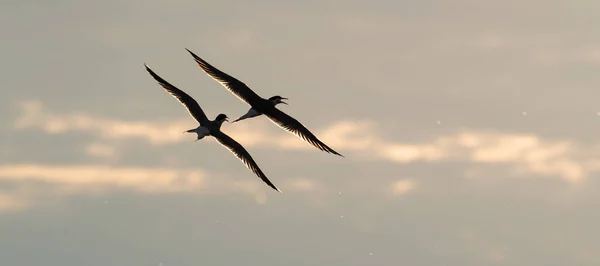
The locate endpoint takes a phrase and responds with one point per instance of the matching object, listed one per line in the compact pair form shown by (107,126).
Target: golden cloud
(12,202)
(94,179)
(149,180)
(403,186)
(525,153)
(101,150)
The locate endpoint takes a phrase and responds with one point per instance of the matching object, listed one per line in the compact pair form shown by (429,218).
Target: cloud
(525,154)
(147,180)
(403,186)
(303,184)
(35,115)
(12,202)
(32,184)
(65,180)
(100,150)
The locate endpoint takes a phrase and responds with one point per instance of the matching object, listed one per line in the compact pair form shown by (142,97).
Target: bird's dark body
(261,105)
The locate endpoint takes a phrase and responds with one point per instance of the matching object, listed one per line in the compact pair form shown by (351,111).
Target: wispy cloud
(35,115)
(98,177)
(303,184)
(526,153)
(523,153)
(12,202)
(403,186)
(101,150)
(65,180)
(31,182)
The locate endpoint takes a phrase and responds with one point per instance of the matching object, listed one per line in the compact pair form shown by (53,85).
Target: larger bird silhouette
(262,106)
(211,128)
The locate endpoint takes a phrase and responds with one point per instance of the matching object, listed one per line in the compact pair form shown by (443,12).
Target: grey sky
(470,130)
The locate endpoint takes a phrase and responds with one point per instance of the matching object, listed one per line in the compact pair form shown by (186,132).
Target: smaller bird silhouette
(211,128)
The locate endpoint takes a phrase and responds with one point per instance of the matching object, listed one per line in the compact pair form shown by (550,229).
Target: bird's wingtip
(275,188)
(196,57)
(336,153)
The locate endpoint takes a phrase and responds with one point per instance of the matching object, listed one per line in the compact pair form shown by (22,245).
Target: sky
(470,130)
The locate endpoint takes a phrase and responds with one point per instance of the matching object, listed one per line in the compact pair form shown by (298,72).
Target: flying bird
(260,106)
(211,128)
(275,100)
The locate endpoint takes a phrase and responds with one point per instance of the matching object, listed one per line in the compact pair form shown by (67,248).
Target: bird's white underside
(202,131)
(251,113)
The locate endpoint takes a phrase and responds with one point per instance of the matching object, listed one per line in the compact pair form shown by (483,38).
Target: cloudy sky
(470,130)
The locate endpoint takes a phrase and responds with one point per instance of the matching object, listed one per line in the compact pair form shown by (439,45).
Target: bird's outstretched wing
(232,84)
(292,125)
(189,102)
(242,154)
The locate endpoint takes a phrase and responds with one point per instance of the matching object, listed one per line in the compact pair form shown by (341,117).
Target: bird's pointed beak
(283,98)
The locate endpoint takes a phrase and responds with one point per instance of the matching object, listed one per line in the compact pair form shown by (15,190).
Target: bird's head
(221,118)
(277,100)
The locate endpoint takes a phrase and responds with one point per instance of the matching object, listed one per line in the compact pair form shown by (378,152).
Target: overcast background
(470,130)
